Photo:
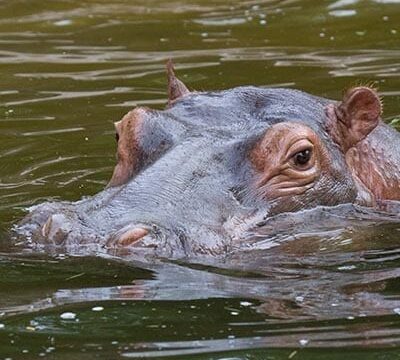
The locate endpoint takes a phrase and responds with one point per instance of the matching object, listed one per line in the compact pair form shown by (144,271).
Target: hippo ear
(176,88)
(357,115)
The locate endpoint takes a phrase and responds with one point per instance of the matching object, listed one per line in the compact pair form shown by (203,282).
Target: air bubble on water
(342,3)
(346,267)
(303,342)
(385,18)
(246,303)
(64,22)
(393,31)
(321,34)
(68,316)
(97,308)
(342,13)
(234,313)
(350,318)
(2,326)
(263,22)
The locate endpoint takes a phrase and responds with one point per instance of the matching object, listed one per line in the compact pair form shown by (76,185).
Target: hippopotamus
(196,177)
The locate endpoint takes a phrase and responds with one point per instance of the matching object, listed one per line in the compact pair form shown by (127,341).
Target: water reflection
(69,69)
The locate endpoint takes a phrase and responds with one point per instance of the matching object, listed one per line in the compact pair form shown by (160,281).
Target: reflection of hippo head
(213,165)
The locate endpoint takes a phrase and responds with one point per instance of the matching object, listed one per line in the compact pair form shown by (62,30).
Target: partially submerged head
(214,164)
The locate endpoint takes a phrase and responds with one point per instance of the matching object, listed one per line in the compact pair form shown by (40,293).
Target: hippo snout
(56,229)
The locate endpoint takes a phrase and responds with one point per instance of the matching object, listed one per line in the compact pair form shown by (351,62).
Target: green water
(69,69)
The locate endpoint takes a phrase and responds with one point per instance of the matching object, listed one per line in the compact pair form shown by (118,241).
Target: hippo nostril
(46,227)
(127,236)
(56,228)
(131,236)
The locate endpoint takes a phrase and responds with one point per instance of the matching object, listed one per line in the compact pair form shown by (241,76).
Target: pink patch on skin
(132,236)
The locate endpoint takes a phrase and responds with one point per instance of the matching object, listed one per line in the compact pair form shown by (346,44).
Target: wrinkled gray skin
(196,195)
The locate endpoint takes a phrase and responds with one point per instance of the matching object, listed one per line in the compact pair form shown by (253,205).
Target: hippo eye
(116,137)
(302,157)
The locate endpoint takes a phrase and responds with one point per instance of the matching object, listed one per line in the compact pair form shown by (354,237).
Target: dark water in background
(70,68)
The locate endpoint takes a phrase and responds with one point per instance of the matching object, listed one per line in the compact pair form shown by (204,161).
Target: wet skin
(198,176)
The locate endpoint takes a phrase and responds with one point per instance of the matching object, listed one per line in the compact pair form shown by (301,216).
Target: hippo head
(197,176)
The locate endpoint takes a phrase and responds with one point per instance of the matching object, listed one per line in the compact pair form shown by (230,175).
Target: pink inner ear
(358,114)
(362,103)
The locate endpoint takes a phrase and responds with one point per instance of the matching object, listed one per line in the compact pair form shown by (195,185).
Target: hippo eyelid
(299,146)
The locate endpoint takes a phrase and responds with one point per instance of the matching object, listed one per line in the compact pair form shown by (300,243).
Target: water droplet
(68,316)
(342,13)
(97,308)
(64,22)
(245,303)
(303,342)
(346,267)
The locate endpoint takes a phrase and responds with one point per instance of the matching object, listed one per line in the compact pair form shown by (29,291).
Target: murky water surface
(70,68)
